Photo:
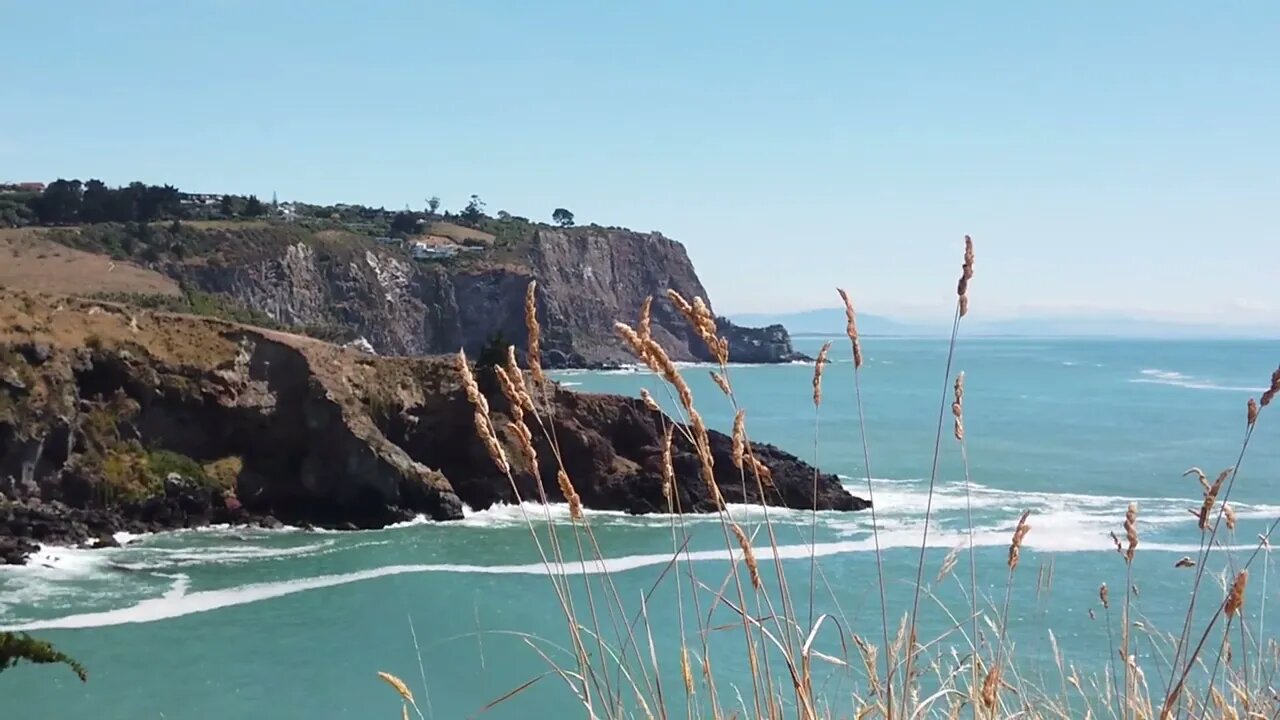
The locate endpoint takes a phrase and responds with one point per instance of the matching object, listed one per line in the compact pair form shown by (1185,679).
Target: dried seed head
(398,684)
(762,471)
(703,322)
(680,303)
(1131,531)
(851,327)
(1230,515)
(1271,392)
(570,494)
(1115,540)
(869,653)
(1235,598)
(990,686)
(637,344)
(966,274)
(1185,562)
(702,444)
(517,377)
(818,365)
(531,326)
(524,439)
(1251,412)
(685,671)
(748,555)
(643,327)
(509,389)
(720,382)
(1210,496)
(1204,481)
(948,563)
(1019,534)
(661,363)
(469,384)
(649,402)
(739,437)
(957,407)
(484,428)
(1104,596)
(668,470)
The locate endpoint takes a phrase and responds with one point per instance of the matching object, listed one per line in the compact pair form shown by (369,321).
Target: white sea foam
(158,557)
(1063,523)
(177,602)
(503,515)
(1156,376)
(64,562)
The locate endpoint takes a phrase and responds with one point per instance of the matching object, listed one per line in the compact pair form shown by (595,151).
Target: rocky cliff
(116,418)
(588,278)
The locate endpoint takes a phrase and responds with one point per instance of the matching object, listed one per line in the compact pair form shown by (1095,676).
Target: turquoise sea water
(237,623)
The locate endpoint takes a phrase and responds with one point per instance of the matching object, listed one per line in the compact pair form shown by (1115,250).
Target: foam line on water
(1156,376)
(177,602)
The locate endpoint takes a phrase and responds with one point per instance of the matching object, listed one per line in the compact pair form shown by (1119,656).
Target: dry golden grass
(459,234)
(31,263)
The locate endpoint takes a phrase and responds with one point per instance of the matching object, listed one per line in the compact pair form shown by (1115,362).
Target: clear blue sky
(1114,155)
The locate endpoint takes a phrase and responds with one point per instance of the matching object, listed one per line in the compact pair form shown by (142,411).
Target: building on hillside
(199,199)
(423,251)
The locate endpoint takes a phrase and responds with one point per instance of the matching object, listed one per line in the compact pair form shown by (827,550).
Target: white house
(422,251)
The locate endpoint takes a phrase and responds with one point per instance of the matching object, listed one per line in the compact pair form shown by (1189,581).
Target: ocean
(244,623)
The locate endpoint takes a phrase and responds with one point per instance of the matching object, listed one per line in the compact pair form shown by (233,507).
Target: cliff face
(115,418)
(588,278)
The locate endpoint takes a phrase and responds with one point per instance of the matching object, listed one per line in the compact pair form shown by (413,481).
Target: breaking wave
(1063,523)
(1155,376)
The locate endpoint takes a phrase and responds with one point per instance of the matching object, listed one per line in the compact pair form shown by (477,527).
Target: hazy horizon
(1115,159)
(1058,323)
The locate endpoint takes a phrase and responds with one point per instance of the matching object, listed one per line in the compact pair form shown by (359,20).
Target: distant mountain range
(831,321)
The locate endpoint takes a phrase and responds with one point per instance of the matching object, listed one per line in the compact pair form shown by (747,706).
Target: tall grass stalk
(618,668)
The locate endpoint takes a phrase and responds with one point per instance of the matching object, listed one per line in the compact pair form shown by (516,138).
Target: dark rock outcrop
(769,344)
(139,421)
(588,278)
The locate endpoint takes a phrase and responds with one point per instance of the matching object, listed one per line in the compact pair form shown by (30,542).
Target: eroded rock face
(129,420)
(588,278)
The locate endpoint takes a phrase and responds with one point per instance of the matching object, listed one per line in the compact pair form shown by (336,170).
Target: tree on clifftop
(59,204)
(473,213)
(433,204)
(254,207)
(562,217)
(404,223)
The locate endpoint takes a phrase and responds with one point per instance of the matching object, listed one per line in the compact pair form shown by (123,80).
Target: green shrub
(160,463)
(126,476)
(223,474)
